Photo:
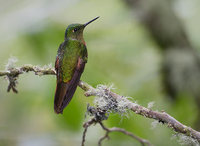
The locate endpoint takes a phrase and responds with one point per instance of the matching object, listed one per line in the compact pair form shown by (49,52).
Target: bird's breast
(69,60)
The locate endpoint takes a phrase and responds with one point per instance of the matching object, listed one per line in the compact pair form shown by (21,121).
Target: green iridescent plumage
(71,51)
(69,65)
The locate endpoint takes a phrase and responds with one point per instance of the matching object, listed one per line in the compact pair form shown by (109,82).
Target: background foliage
(121,52)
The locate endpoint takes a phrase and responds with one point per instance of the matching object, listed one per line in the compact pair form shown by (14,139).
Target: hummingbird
(69,65)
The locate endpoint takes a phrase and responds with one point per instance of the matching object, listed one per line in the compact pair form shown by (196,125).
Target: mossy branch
(13,73)
(162,117)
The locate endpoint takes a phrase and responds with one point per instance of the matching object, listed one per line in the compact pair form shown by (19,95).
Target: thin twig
(116,129)
(86,125)
(109,130)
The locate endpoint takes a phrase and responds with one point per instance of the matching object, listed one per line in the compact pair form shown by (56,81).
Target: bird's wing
(61,88)
(58,61)
(74,82)
(57,65)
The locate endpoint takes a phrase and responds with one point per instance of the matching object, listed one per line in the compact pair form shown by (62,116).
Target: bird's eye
(75,29)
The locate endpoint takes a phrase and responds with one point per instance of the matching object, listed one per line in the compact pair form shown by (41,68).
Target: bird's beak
(90,21)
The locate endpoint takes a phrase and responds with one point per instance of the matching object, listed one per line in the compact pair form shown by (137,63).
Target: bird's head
(75,31)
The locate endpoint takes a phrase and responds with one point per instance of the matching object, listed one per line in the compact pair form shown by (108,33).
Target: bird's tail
(64,94)
(61,89)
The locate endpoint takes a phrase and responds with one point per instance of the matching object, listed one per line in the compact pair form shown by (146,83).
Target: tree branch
(13,73)
(163,117)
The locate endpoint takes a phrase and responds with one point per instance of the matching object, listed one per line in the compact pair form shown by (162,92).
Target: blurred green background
(120,51)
